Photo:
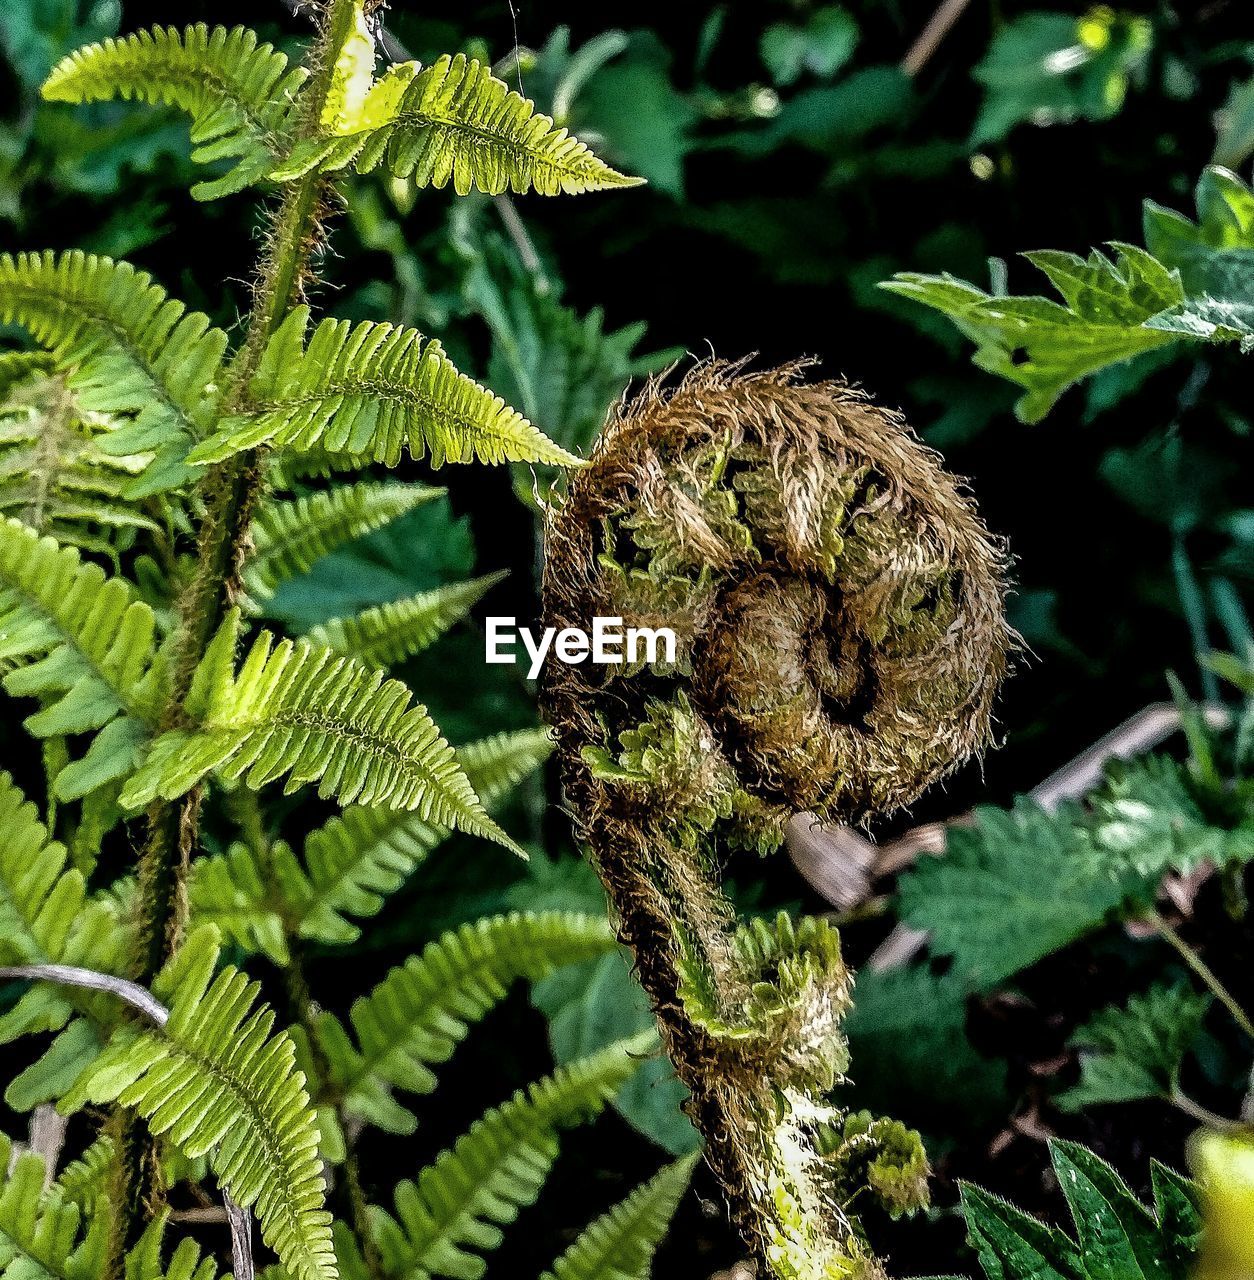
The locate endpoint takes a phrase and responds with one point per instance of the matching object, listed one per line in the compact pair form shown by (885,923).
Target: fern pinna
(159,482)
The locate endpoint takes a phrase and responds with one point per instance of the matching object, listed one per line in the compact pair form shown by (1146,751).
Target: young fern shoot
(145,712)
(838,608)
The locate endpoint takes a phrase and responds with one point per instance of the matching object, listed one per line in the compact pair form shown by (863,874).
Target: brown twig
(929,39)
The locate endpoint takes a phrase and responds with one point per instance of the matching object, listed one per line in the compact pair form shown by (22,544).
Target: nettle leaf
(240,94)
(217,1082)
(1116,1237)
(1010,890)
(622,1242)
(1051,67)
(374,391)
(127,348)
(1046,346)
(313,715)
(456,122)
(290,536)
(390,633)
(912,1024)
(1135,1050)
(1195,281)
(1145,819)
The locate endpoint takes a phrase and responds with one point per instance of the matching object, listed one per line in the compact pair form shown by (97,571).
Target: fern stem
(1204,972)
(229,493)
(646,925)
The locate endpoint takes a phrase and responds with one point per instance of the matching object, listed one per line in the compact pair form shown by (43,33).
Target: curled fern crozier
(839,614)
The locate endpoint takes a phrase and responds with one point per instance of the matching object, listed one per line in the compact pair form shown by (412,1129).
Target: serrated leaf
(1134,1050)
(1011,889)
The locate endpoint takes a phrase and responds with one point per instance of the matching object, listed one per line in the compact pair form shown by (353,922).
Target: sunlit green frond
(47,917)
(81,643)
(390,633)
(365,853)
(374,390)
(417,1015)
(217,1081)
(498,763)
(54,475)
(621,1245)
(126,347)
(444,1222)
(41,1235)
(289,537)
(239,93)
(348,865)
(17,367)
(454,121)
(298,710)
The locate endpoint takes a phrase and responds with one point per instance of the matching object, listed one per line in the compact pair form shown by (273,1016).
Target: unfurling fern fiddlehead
(838,609)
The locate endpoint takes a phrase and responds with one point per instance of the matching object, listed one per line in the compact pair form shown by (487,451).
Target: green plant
(838,613)
(206,474)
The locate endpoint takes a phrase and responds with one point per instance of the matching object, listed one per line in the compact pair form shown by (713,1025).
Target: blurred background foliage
(797,154)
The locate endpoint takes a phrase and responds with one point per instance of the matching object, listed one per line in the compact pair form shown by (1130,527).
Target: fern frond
(83,1181)
(216,1081)
(54,475)
(374,390)
(81,643)
(17,367)
(40,1237)
(457,122)
(240,94)
(419,1013)
(126,346)
(246,900)
(621,1245)
(289,537)
(46,917)
(348,866)
(310,714)
(442,1223)
(366,853)
(389,633)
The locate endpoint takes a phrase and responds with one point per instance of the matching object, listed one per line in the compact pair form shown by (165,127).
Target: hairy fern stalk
(158,483)
(838,611)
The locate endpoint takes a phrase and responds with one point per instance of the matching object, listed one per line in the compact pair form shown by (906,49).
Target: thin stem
(1203,1115)
(1204,972)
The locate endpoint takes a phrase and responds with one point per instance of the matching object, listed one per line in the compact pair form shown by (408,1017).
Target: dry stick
(931,36)
(131,993)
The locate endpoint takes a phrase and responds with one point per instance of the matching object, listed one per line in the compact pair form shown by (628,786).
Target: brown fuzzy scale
(840,614)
